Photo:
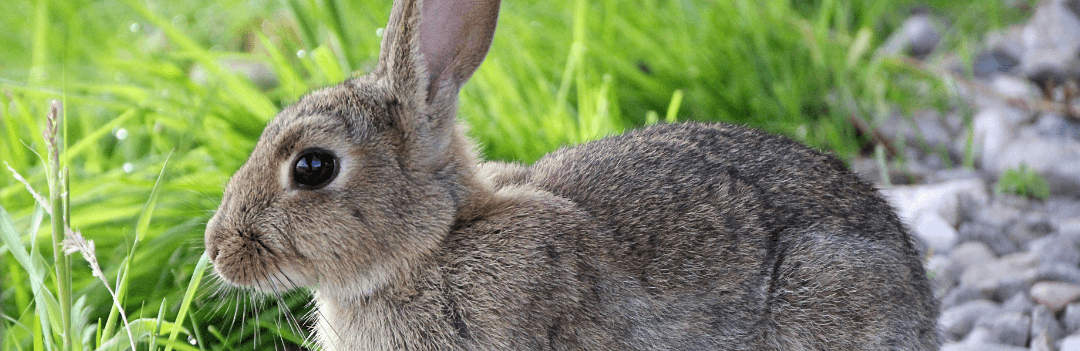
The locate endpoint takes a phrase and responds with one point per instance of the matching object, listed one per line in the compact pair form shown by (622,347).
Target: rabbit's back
(750,237)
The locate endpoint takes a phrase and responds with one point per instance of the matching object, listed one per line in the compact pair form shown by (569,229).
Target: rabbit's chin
(365,284)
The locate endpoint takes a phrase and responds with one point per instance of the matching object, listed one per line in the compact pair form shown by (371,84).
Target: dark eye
(314,168)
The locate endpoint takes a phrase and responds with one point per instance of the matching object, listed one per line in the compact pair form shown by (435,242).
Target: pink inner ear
(441,27)
(454,38)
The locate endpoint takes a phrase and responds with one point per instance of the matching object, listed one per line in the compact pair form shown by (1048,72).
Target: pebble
(956,322)
(1060,272)
(981,335)
(1051,39)
(980,347)
(1055,249)
(1008,328)
(942,199)
(935,232)
(964,294)
(971,253)
(991,235)
(1029,227)
(917,36)
(1055,295)
(1016,88)
(991,62)
(1043,322)
(947,270)
(999,213)
(1010,286)
(1019,303)
(1070,228)
(991,274)
(1071,318)
(993,133)
(955,174)
(1056,125)
(1042,343)
(1070,343)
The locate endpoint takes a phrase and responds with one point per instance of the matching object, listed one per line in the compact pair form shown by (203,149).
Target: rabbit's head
(350,186)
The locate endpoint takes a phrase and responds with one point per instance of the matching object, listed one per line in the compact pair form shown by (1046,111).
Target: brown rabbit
(675,237)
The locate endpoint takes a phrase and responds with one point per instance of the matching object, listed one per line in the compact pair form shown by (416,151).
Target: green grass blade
(91,139)
(13,243)
(334,19)
(189,295)
(108,330)
(304,22)
(45,303)
(157,331)
(39,53)
(39,339)
(47,306)
(141,227)
(285,332)
(290,80)
(148,210)
(673,108)
(142,329)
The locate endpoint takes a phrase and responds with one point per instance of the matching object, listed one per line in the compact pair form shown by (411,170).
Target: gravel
(1005,268)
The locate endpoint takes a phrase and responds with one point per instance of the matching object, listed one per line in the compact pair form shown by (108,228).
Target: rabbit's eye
(314,169)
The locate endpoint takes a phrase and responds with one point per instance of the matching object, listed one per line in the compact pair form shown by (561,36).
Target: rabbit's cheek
(283,278)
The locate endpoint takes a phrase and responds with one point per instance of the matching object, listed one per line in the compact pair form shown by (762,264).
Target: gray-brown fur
(686,236)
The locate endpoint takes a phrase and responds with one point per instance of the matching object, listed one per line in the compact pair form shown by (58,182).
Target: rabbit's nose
(212,252)
(210,239)
(211,248)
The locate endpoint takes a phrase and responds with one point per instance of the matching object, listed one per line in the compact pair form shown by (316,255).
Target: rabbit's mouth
(248,263)
(246,257)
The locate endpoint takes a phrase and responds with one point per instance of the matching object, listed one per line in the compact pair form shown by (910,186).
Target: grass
(1023,181)
(158,112)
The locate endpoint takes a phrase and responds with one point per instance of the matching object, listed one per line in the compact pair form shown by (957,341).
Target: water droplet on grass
(128,167)
(134,27)
(121,134)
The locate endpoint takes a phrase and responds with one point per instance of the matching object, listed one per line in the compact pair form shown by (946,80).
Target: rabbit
(689,236)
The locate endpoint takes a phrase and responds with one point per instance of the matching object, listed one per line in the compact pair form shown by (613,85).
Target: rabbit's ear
(431,47)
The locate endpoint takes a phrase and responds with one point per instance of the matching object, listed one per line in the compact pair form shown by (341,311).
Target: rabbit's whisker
(284,306)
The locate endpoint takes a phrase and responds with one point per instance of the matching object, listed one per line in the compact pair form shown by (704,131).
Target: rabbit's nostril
(212,252)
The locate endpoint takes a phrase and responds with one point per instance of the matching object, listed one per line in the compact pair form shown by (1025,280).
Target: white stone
(1052,38)
(1070,343)
(971,253)
(1015,87)
(1054,295)
(936,232)
(994,131)
(988,275)
(942,199)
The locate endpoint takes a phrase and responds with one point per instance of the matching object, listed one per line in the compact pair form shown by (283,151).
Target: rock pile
(1006,268)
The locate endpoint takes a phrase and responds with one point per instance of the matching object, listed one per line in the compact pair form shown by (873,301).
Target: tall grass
(160,107)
